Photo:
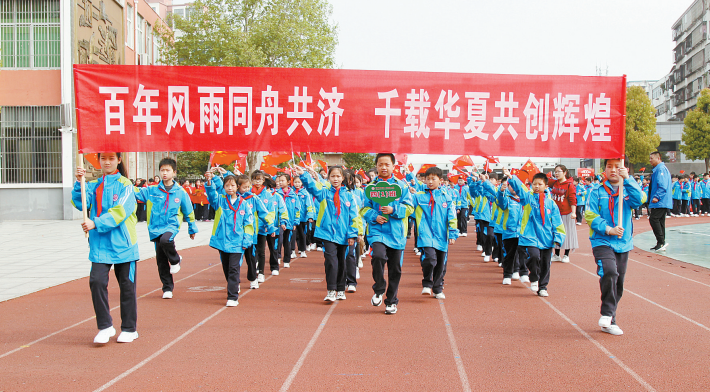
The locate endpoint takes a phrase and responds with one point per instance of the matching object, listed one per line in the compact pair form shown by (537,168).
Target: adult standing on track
(659,192)
(564,194)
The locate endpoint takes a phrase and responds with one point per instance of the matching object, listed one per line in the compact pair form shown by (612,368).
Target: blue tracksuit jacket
(293,206)
(392,233)
(233,228)
(165,210)
(331,225)
(436,224)
(511,214)
(533,230)
(660,187)
(602,213)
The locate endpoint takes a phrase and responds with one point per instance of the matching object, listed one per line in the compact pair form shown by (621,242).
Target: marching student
(338,224)
(269,233)
(684,195)
(111,225)
(611,237)
(386,235)
(705,189)
(166,204)
(565,196)
(233,229)
(484,189)
(540,231)
(581,190)
(509,204)
(353,263)
(462,205)
(696,194)
(676,194)
(435,214)
(262,217)
(307,213)
(293,206)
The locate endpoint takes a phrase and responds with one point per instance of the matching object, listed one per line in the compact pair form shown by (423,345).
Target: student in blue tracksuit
(435,215)
(484,190)
(262,217)
(696,194)
(387,235)
(338,224)
(462,205)
(581,198)
(611,237)
(705,189)
(293,206)
(510,217)
(263,187)
(111,225)
(233,228)
(541,229)
(166,204)
(684,194)
(307,213)
(353,261)
(676,194)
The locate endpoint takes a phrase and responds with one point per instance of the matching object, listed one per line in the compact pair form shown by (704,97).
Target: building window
(29,34)
(30,145)
(129,26)
(149,43)
(140,37)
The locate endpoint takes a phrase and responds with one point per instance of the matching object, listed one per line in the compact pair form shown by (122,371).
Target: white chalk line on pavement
(24,346)
(167,346)
(455,349)
(287,384)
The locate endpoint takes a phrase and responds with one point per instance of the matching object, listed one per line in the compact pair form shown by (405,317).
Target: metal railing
(29,34)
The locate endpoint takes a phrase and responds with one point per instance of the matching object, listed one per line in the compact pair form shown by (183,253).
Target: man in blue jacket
(661,201)
(611,236)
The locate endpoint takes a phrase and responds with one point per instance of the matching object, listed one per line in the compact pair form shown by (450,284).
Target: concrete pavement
(35,255)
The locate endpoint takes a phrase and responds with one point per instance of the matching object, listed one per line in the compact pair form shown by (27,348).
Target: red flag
(463,160)
(226,157)
(93,159)
(401,158)
(514,171)
(528,170)
(410,167)
(492,159)
(425,167)
(453,177)
(398,173)
(276,158)
(487,168)
(643,169)
(268,169)
(682,172)
(549,175)
(460,169)
(363,175)
(323,165)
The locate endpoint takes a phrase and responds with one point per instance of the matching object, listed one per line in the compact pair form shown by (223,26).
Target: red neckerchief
(258,191)
(542,206)
(432,201)
(460,189)
(231,207)
(336,201)
(100,194)
(167,196)
(611,202)
(286,191)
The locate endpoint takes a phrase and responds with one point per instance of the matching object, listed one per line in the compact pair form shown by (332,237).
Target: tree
(641,136)
(359,161)
(191,164)
(253,33)
(696,133)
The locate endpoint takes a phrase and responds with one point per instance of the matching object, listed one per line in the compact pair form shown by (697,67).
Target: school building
(40,41)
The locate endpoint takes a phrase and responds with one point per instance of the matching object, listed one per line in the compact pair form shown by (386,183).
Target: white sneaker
(168,295)
(105,335)
(232,303)
(417,252)
(555,257)
(479,247)
(261,278)
(524,279)
(534,286)
(486,259)
(516,275)
(483,254)
(351,289)
(663,247)
(293,255)
(507,281)
(341,295)
(275,272)
(605,321)
(543,293)
(127,337)
(500,265)
(464,234)
(391,309)
(613,330)
(359,261)
(580,223)
(319,249)
(331,296)
(440,295)
(565,259)
(426,290)
(287,265)
(357,273)
(239,289)
(279,261)
(174,269)
(376,300)
(303,255)
(254,284)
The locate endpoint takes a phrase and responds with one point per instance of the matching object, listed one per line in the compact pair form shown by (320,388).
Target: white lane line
(287,384)
(167,346)
(455,350)
(93,317)
(602,348)
(688,232)
(653,303)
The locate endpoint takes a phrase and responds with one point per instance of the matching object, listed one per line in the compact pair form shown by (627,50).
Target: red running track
(484,336)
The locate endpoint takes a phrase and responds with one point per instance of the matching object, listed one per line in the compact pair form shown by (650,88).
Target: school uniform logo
(549,211)
(347,204)
(115,197)
(177,200)
(241,212)
(275,203)
(444,205)
(293,201)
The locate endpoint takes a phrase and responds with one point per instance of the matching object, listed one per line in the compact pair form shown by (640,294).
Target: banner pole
(84,212)
(621,198)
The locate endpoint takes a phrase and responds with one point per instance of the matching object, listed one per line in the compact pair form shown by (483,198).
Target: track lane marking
(653,303)
(455,350)
(287,384)
(167,346)
(93,317)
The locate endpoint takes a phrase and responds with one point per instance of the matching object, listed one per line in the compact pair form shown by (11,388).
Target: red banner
(161,108)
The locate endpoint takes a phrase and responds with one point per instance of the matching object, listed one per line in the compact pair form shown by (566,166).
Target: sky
(546,37)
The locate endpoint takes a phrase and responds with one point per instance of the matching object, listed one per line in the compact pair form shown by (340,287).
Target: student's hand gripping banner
(166,108)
